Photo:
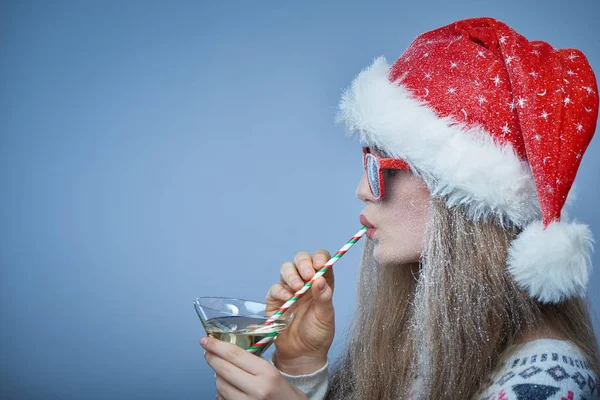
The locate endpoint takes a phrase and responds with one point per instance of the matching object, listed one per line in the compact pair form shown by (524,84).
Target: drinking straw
(304,289)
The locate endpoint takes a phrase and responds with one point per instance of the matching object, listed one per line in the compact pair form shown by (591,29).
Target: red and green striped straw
(304,289)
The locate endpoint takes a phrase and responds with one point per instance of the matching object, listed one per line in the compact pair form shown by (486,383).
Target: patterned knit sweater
(542,369)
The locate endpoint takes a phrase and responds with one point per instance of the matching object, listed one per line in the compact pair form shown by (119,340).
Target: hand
(240,374)
(303,346)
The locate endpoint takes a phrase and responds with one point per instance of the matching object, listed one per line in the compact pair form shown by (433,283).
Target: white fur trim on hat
(553,263)
(464,166)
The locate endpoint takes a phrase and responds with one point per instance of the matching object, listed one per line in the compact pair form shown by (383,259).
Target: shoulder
(543,369)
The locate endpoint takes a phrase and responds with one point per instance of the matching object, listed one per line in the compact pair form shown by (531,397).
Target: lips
(371,229)
(365,222)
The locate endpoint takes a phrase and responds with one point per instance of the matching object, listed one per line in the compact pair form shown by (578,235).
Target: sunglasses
(374,166)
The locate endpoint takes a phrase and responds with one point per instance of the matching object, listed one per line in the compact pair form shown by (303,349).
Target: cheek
(408,209)
(408,225)
(406,219)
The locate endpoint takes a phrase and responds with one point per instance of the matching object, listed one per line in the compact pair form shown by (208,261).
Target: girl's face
(399,219)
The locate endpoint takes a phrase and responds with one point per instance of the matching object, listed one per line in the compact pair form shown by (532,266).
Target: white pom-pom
(552,264)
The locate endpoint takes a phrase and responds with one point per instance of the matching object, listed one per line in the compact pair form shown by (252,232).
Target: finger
(323,296)
(320,258)
(276,296)
(290,277)
(236,377)
(227,390)
(304,264)
(288,288)
(244,361)
(277,293)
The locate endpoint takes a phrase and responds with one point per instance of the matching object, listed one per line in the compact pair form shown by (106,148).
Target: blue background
(152,152)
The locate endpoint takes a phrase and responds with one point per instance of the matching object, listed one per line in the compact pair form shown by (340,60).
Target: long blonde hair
(448,319)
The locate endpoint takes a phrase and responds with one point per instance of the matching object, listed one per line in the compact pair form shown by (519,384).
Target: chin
(394,257)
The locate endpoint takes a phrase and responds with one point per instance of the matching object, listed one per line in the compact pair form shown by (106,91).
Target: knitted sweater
(542,369)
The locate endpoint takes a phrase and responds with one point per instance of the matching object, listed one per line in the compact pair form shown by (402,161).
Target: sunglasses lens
(373,175)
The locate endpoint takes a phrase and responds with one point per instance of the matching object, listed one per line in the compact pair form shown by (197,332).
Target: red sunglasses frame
(383,163)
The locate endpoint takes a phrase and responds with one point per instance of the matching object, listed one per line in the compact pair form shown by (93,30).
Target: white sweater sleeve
(544,369)
(314,385)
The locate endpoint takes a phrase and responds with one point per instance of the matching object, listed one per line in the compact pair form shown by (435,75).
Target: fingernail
(321,285)
(203,341)
(204,353)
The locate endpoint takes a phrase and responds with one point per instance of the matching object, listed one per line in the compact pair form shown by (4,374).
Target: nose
(363,192)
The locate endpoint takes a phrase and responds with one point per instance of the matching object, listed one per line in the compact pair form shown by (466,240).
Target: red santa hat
(496,124)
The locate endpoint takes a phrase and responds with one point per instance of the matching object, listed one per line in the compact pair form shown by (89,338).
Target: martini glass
(239,321)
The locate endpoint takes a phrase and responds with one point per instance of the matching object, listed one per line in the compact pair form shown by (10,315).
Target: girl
(472,282)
